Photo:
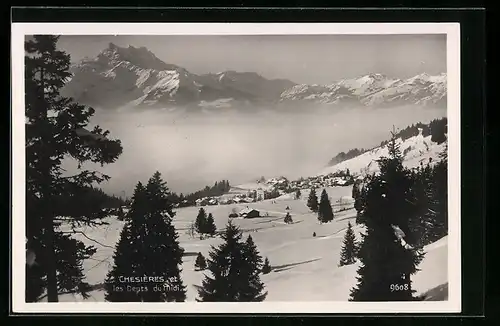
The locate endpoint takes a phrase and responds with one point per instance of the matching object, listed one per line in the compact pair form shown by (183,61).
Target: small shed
(249,213)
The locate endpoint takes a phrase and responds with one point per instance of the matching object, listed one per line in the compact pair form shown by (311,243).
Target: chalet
(202,202)
(249,213)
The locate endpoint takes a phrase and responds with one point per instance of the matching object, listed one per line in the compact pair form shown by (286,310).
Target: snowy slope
(421,89)
(331,94)
(368,84)
(131,76)
(374,90)
(415,149)
(305,268)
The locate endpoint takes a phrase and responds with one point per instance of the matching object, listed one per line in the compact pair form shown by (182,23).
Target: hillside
(437,129)
(416,150)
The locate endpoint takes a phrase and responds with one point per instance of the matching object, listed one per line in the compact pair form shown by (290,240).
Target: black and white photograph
(301,168)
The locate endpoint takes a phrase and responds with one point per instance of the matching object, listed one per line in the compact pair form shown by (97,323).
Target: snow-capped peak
(375,89)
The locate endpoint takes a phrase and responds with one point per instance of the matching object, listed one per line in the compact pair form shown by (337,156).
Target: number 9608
(399,287)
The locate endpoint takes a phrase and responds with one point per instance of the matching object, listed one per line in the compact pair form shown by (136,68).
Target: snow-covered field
(305,268)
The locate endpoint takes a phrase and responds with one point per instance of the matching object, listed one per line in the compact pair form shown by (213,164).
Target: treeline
(402,210)
(107,201)
(342,156)
(437,129)
(271,194)
(219,188)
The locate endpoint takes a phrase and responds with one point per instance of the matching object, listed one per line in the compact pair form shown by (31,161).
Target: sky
(308,59)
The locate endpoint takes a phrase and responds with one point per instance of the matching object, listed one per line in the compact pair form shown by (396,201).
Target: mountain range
(131,76)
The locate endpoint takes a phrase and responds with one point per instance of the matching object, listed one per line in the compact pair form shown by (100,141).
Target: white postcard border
(19,30)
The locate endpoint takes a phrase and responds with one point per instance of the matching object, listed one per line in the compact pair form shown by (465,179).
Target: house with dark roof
(249,213)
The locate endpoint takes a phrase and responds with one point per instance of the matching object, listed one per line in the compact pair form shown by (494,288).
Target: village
(276,187)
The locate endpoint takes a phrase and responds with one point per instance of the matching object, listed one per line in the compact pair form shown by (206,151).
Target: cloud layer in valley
(194,150)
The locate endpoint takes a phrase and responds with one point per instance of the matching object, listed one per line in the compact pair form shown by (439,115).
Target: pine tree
(120,214)
(148,247)
(163,255)
(200,263)
(231,274)
(210,227)
(357,195)
(266,268)
(288,218)
(355,191)
(201,221)
(325,211)
(440,178)
(253,289)
(298,194)
(52,125)
(386,264)
(128,258)
(349,247)
(312,201)
(422,222)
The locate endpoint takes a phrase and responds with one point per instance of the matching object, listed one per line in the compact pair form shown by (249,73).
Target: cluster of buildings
(226,200)
(281,184)
(329,180)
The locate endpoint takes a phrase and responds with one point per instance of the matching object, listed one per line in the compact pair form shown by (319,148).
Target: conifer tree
(298,194)
(253,289)
(440,195)
(201,221)
(148,247)
(357,195)
(423,221)
(266,268)
(325,211)
(312,201)
(210,227)
(349,247)
(120,214)
(355,191)
(387,264)
(163,255)
(128,259)
(200,263)
(232,278)
(53,132)
(440,177)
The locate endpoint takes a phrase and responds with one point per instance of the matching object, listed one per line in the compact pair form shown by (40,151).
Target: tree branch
(86,236)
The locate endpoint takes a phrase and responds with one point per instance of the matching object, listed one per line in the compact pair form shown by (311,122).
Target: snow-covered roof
(247,210)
